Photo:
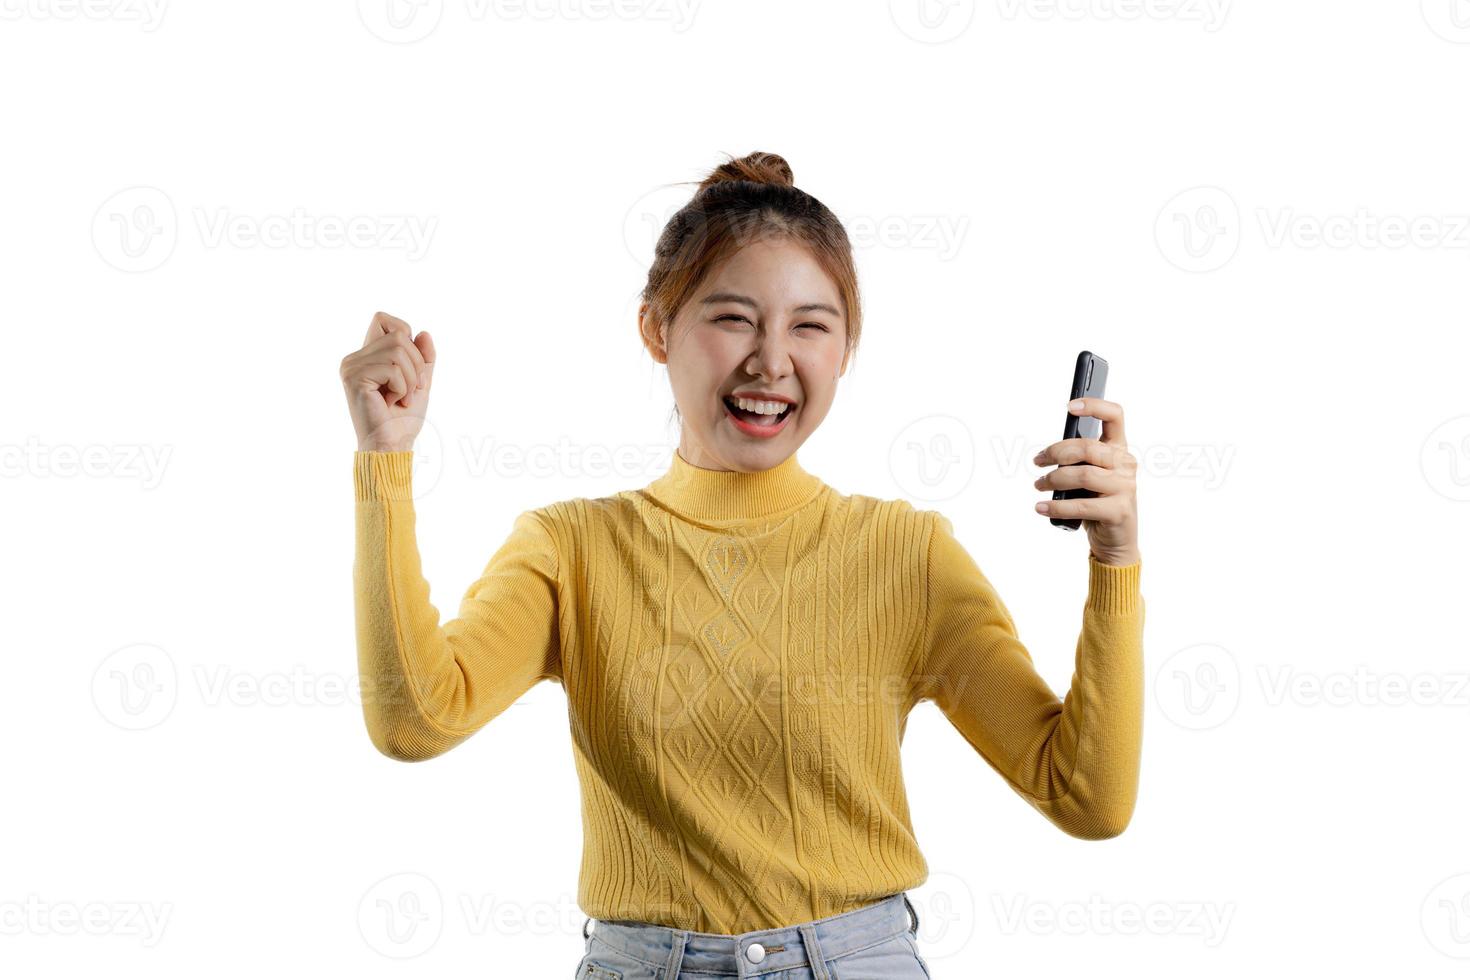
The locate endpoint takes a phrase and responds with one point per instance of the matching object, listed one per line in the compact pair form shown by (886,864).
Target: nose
(771,358)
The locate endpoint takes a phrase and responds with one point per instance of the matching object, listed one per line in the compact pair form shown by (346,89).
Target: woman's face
(768,320)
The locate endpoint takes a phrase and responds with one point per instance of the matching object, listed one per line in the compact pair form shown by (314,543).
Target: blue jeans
(875,942)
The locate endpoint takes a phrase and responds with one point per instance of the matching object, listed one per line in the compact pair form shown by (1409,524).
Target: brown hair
(740,202)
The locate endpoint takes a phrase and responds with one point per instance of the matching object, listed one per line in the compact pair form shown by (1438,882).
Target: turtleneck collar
(730,495)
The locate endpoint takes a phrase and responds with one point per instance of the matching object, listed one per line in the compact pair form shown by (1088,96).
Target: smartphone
(1089,378)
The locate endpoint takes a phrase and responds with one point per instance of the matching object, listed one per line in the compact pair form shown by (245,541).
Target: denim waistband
(805,944)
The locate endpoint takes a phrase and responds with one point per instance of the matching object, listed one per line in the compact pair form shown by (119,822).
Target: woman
(740,645)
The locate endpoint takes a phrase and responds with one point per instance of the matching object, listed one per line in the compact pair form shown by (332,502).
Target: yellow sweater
(740,653)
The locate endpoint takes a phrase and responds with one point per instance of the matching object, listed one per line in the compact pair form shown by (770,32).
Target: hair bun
(759,168)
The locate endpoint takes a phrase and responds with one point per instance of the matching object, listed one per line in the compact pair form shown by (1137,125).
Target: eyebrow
(747,301)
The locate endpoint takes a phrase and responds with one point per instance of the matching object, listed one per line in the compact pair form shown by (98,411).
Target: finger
(1078,450)
(385,381)
(404,363)
(420,366)
(389,345)
(371,371)
(1110,414)
(424,344)
(382,373)
(384,323)
(1090,477)
(407,350)
(395,346)
(391,378)
(397,358)
(1106,510)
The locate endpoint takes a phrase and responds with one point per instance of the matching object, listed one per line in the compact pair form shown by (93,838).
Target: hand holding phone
(1089,379)
(1093,438)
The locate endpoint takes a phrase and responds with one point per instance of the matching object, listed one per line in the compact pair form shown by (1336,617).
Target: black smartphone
(1089,378)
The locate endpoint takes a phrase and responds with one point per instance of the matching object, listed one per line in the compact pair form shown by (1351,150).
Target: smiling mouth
(755,418)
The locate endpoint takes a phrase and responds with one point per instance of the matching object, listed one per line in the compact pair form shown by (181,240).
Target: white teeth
(762,408)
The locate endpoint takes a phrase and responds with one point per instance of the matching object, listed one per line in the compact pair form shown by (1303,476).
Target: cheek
(708,358)
(819,370)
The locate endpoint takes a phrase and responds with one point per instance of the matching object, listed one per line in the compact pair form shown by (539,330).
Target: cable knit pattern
(740,654)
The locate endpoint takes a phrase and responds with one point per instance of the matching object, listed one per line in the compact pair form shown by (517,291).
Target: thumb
(425,344)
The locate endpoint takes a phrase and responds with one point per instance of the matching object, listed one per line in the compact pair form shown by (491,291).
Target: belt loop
(814,956)
(676,952)
(914,913)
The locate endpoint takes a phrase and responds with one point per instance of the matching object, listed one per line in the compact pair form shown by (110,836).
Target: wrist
(1120,559)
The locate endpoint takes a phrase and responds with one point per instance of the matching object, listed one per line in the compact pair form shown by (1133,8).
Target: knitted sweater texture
(740,653)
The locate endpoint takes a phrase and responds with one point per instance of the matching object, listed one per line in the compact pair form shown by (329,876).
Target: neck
(733,495)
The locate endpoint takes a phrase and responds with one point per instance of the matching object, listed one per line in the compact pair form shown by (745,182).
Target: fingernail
(1074,404)
(1042,507)
(1038,457)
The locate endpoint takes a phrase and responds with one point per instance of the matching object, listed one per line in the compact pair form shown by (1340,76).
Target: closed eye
(736,316)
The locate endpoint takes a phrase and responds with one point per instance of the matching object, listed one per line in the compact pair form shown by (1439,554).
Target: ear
(654,337)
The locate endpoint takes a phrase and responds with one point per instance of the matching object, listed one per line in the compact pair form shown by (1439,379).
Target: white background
(1256,212)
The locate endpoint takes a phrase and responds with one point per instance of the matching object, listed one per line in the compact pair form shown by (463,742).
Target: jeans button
(755,952)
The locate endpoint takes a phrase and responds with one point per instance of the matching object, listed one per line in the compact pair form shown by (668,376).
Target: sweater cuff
(1113,589)
(382,476)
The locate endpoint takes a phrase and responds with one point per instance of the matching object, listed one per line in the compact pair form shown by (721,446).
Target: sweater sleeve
(1075,760)
(427,687)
